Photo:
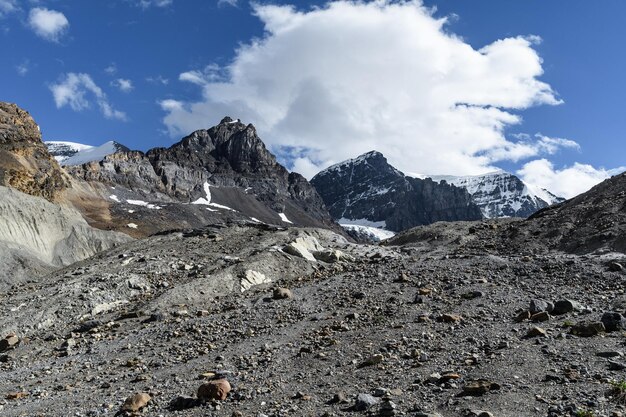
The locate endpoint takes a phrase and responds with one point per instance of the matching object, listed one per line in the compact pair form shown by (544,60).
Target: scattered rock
(540,317)
(524,315)
(537,306)
(535,331)
(565,306)
(372,360)
(282,294)
(214,390)
(478,387)
(613,321)
(136,402)
(450,318)
(616,267)
(587,328)
(9,342)
(364,402)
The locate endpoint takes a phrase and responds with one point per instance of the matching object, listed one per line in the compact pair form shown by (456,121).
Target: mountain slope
(37,236)
(367,189)
(227,167)
(500,194)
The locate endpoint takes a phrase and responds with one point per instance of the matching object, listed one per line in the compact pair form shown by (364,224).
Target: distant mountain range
(371,198)
(367,191)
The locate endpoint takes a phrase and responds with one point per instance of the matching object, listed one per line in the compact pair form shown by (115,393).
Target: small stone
(450,318)
(339,398)
(136,402)
(372,360)
(613,321)
(535,331)
(616,267)
(478,387)
(282,294)
(9,342)
(537,306)
(16,395)
(214,390)
(587,329)
(540,317)
(364,402)
(565,306)
(524,315)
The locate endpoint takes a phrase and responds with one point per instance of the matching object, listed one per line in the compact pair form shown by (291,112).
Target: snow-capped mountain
(368,191)
(501,194)
(72,153)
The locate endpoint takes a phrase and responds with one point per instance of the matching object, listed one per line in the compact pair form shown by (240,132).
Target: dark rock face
(25,163)
(231,158)
(593,221)
(369,188)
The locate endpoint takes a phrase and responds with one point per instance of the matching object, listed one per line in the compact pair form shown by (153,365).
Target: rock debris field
(254,320)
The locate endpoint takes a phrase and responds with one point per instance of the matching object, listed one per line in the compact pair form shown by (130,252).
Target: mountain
(500,194)
(213,175)
(25,163)
(368,191)
(72,153)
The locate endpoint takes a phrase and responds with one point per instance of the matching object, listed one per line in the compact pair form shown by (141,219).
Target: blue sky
(327,85)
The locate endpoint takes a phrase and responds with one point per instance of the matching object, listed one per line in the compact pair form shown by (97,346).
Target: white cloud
(350,77)
(73,90)
(23,68)
(530,146)
(124,85)
(156,3)
(211,73)
(565,182)
(48,24)
(111,69)
(232,3)
(158,80)
(7,6)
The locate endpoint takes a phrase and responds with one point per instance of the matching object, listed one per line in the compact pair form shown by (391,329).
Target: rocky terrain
(501,194)
(25,163)
(230,314)
(452,319)
(368,191)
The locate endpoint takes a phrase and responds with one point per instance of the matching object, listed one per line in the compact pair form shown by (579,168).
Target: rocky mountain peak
(368,191)
(25,163)
(17,125)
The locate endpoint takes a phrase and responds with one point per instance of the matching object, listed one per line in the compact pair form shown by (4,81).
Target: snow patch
(143,204)
(284,218)
(91,153)
(132,225)
(114,198)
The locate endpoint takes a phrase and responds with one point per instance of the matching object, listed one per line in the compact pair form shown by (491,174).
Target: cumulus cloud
(48,24)
(124,85)
(350,77)
(111,69)
(568,181)
(77,91)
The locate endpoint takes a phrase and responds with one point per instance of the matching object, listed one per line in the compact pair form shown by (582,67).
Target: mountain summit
(368,191)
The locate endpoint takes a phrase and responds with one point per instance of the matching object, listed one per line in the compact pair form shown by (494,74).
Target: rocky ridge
(226,171)
(25,163)
(368,191)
